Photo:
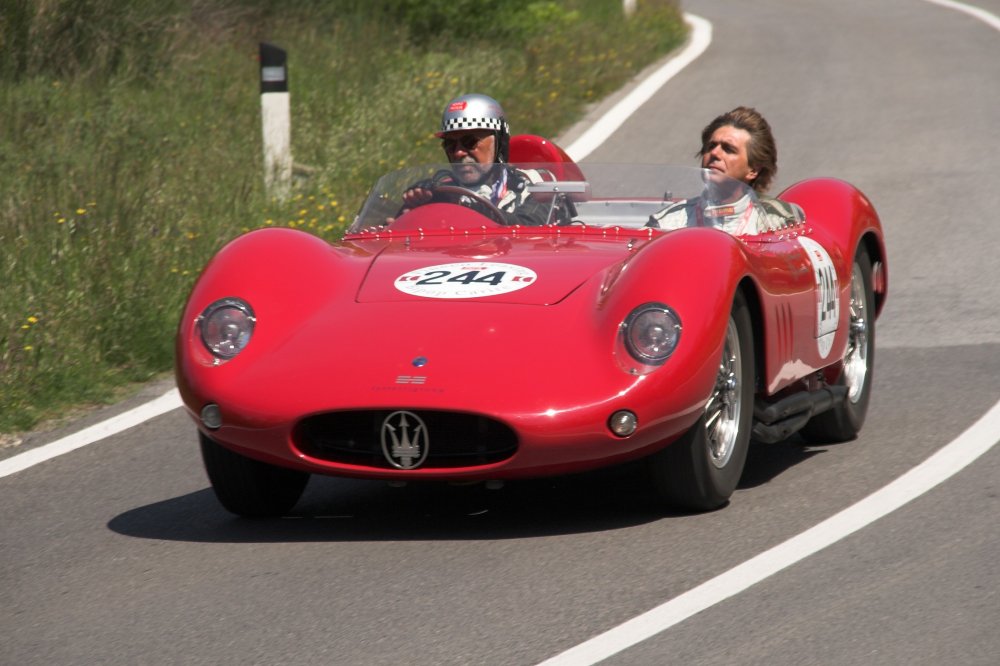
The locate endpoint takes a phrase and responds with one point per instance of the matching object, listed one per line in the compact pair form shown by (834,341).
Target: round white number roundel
(465,280)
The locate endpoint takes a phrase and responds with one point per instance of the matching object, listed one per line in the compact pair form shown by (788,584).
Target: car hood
(530,269)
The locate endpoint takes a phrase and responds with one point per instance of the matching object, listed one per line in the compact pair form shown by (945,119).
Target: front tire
(248,487)
(843,422)
(700,471)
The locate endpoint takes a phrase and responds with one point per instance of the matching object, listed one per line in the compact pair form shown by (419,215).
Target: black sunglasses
(467,142)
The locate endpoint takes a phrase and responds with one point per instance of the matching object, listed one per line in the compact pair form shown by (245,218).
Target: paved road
(118,553)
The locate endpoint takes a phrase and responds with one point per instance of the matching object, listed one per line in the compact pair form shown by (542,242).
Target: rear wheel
(701,469)
(843,422)
(248,487)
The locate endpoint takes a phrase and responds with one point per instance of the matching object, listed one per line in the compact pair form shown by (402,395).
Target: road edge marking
(983,15)
(975,441)
(615,117)
(167,402)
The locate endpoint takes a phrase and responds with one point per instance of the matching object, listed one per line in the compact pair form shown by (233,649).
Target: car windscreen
(599,194)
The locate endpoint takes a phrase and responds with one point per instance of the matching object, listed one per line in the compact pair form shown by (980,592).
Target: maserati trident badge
(404,440)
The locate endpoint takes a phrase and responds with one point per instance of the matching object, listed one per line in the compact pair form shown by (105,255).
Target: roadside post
(275,119)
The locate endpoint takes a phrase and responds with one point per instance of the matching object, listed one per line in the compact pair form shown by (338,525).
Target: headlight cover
(651,333)
(226,326)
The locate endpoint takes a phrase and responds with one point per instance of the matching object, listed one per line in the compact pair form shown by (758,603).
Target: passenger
(476,139)
(739,145)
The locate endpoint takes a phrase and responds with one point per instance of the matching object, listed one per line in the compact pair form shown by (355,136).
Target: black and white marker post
(275,119)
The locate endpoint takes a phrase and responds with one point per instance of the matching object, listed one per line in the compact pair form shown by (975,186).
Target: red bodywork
(334,334)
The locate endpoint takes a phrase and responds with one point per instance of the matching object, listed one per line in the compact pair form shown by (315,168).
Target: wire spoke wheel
(722,414)
(856,359)
(700,470)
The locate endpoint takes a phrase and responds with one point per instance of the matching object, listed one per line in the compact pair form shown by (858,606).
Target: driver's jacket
(509,193)
(745,216)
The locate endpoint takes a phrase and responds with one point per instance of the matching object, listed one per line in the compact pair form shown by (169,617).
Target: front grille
(452,439)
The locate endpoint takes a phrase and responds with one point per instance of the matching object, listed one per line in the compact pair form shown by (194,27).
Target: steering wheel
(488,208)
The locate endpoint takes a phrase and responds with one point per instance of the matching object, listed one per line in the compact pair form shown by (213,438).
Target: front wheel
(248,487)
(701,469)
(844,421)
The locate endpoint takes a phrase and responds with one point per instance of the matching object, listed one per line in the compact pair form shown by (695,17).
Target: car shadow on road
(767,461)
(336,509)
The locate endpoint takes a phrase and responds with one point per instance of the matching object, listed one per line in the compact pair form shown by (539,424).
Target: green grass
(130,145)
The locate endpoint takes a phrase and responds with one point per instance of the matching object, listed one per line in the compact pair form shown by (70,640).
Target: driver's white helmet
(476,111)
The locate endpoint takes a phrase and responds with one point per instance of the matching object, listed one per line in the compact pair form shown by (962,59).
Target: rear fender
(848,220)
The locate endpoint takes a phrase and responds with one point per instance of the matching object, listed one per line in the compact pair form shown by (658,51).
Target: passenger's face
(471,152)
(726,153)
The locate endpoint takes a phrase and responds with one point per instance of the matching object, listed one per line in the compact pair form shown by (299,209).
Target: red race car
(662,313)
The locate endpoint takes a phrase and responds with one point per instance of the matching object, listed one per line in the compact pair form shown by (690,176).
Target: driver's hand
(417,196)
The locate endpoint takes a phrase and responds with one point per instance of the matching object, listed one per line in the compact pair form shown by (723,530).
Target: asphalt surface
(118,553)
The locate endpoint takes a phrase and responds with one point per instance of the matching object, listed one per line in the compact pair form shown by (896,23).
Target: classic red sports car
(664,313)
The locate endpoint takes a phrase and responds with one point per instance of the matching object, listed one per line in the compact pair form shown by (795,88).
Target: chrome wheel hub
(722,413)
(856,358)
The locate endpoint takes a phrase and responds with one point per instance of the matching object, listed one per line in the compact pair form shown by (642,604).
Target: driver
(737,145)
(476,138)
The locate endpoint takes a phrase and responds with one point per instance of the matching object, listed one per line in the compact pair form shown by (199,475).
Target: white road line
(608,124)
(969,446)
(165,403)
(948,461)
(986,17)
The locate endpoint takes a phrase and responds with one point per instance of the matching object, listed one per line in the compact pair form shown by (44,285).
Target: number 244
(469,277)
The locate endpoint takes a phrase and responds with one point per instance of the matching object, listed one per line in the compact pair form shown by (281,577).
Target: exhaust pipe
(777,421)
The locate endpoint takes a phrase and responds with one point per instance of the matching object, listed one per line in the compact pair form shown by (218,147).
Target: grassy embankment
(131,150)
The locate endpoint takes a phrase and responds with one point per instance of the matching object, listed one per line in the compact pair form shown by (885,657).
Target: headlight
(651,333)
(226,326)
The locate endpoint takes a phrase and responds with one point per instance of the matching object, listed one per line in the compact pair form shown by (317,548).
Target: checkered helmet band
(465,123)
